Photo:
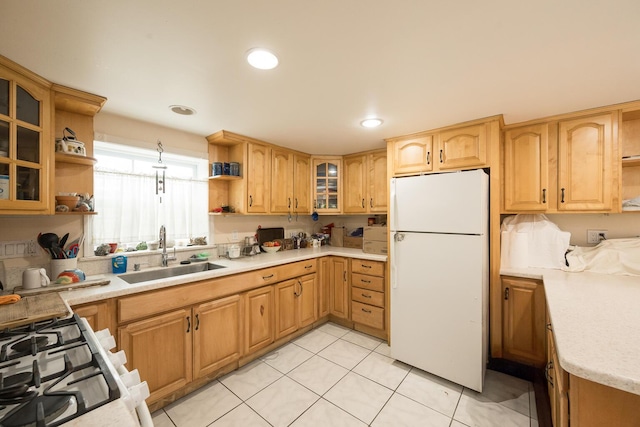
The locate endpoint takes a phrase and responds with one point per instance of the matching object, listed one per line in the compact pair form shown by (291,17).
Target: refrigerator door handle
(395,238)
(392,207)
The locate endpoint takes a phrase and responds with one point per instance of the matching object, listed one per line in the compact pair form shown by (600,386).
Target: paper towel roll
(519,250)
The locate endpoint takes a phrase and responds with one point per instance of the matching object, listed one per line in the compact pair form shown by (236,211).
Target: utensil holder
(60,265)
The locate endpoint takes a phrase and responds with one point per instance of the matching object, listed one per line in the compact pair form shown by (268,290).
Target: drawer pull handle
(544,195)
(365,281)
(308,266)
(197,322)
(188,323)
(366,296)
(267,277)
(365,266)
(549,326)
(366,311)
(562,195)
(262,310)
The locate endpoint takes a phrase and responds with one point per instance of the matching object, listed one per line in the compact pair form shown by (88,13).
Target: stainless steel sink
(165,273)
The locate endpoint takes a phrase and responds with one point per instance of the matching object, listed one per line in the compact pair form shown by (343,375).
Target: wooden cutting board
(32,309)
(53,287)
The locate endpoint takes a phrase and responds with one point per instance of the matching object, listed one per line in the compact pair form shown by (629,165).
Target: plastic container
(119,264)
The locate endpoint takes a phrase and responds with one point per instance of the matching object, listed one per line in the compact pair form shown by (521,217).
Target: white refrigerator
(440,274)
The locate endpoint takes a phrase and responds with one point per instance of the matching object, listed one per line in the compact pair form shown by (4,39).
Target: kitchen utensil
(47,240)
(72,252)
(33,278)
(63,241)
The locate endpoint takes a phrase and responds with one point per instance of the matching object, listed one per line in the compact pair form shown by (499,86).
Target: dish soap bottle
(119,264)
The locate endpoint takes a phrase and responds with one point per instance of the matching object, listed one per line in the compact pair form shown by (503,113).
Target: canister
(119,264)
(234,169)
(216,168)
(226,168)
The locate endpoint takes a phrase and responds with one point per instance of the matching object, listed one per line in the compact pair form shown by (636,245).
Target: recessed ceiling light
(182,110)
(262,59)
(371,123)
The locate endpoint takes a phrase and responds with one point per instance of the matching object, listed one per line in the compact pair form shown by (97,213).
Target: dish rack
(245,250)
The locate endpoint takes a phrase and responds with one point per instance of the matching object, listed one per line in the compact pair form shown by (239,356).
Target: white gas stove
(59,373)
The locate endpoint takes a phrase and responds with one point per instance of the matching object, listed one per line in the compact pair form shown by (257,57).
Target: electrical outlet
(596,236)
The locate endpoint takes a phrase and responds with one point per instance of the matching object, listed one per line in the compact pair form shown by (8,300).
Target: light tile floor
(333,376)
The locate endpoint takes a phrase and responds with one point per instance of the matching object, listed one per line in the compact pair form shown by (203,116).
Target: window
(129,211)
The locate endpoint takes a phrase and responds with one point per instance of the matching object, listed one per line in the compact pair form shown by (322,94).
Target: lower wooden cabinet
(324,286)
(523,320)
(339,292)
(368,293)
(259,319)
(295,304)
(160,348)
(217,334)
(99,314)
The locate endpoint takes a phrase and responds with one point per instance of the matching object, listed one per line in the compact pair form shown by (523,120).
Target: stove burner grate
(38,412)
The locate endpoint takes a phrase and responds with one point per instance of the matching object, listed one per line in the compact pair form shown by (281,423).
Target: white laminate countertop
(119,287)
(596,324)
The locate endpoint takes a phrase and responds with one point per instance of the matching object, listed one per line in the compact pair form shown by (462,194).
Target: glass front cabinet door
(25,146)
(327,178)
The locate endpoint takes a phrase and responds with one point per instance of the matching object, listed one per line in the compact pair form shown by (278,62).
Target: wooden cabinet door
(324,286)
(217,339)
(413,155)
(355,194)
(26,143)
(307,300)
(160,349)
(526,168)
(286,294)
(377,182)
(99,314)
(340,287)
(281,181)
(585,163)
(301,184)
(523,317)
(327,182)
(259,318)
(258,174)
(462,147)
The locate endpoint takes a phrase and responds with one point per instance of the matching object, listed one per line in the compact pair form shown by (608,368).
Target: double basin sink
(165,273)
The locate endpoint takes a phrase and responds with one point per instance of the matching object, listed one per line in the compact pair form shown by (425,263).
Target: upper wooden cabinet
(365,182)
(413,155)
(327,179)
(290,182)
(26,146)
(258,178)
(75,110)
(453,148)
(566,164)
(526,168)
(462,147)
(586,167)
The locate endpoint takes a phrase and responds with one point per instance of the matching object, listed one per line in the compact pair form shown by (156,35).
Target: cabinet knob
(506,294)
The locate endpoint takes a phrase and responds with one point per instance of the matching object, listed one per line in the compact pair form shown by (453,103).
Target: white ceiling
(417,64)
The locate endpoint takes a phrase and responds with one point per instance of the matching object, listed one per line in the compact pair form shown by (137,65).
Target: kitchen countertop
(119,287)
(596,324)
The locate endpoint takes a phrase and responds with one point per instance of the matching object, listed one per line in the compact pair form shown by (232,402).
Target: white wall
(617,225)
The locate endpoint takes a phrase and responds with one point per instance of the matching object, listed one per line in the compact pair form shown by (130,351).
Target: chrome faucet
(163,243)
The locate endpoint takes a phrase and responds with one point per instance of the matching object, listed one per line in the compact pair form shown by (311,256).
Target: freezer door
(454,202)
(439,294)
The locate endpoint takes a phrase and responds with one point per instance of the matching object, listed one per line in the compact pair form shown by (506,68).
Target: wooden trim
(77,101)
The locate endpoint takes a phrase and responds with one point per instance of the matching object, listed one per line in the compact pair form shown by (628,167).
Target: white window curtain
(129,211)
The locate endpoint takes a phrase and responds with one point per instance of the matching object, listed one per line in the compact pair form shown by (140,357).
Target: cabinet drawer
(283,272)
(367,315)
(366,296)
(374,268)
(373,283)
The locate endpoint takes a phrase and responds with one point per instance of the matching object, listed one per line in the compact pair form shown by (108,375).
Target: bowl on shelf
(70,201)
(270,249)
(113,247)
